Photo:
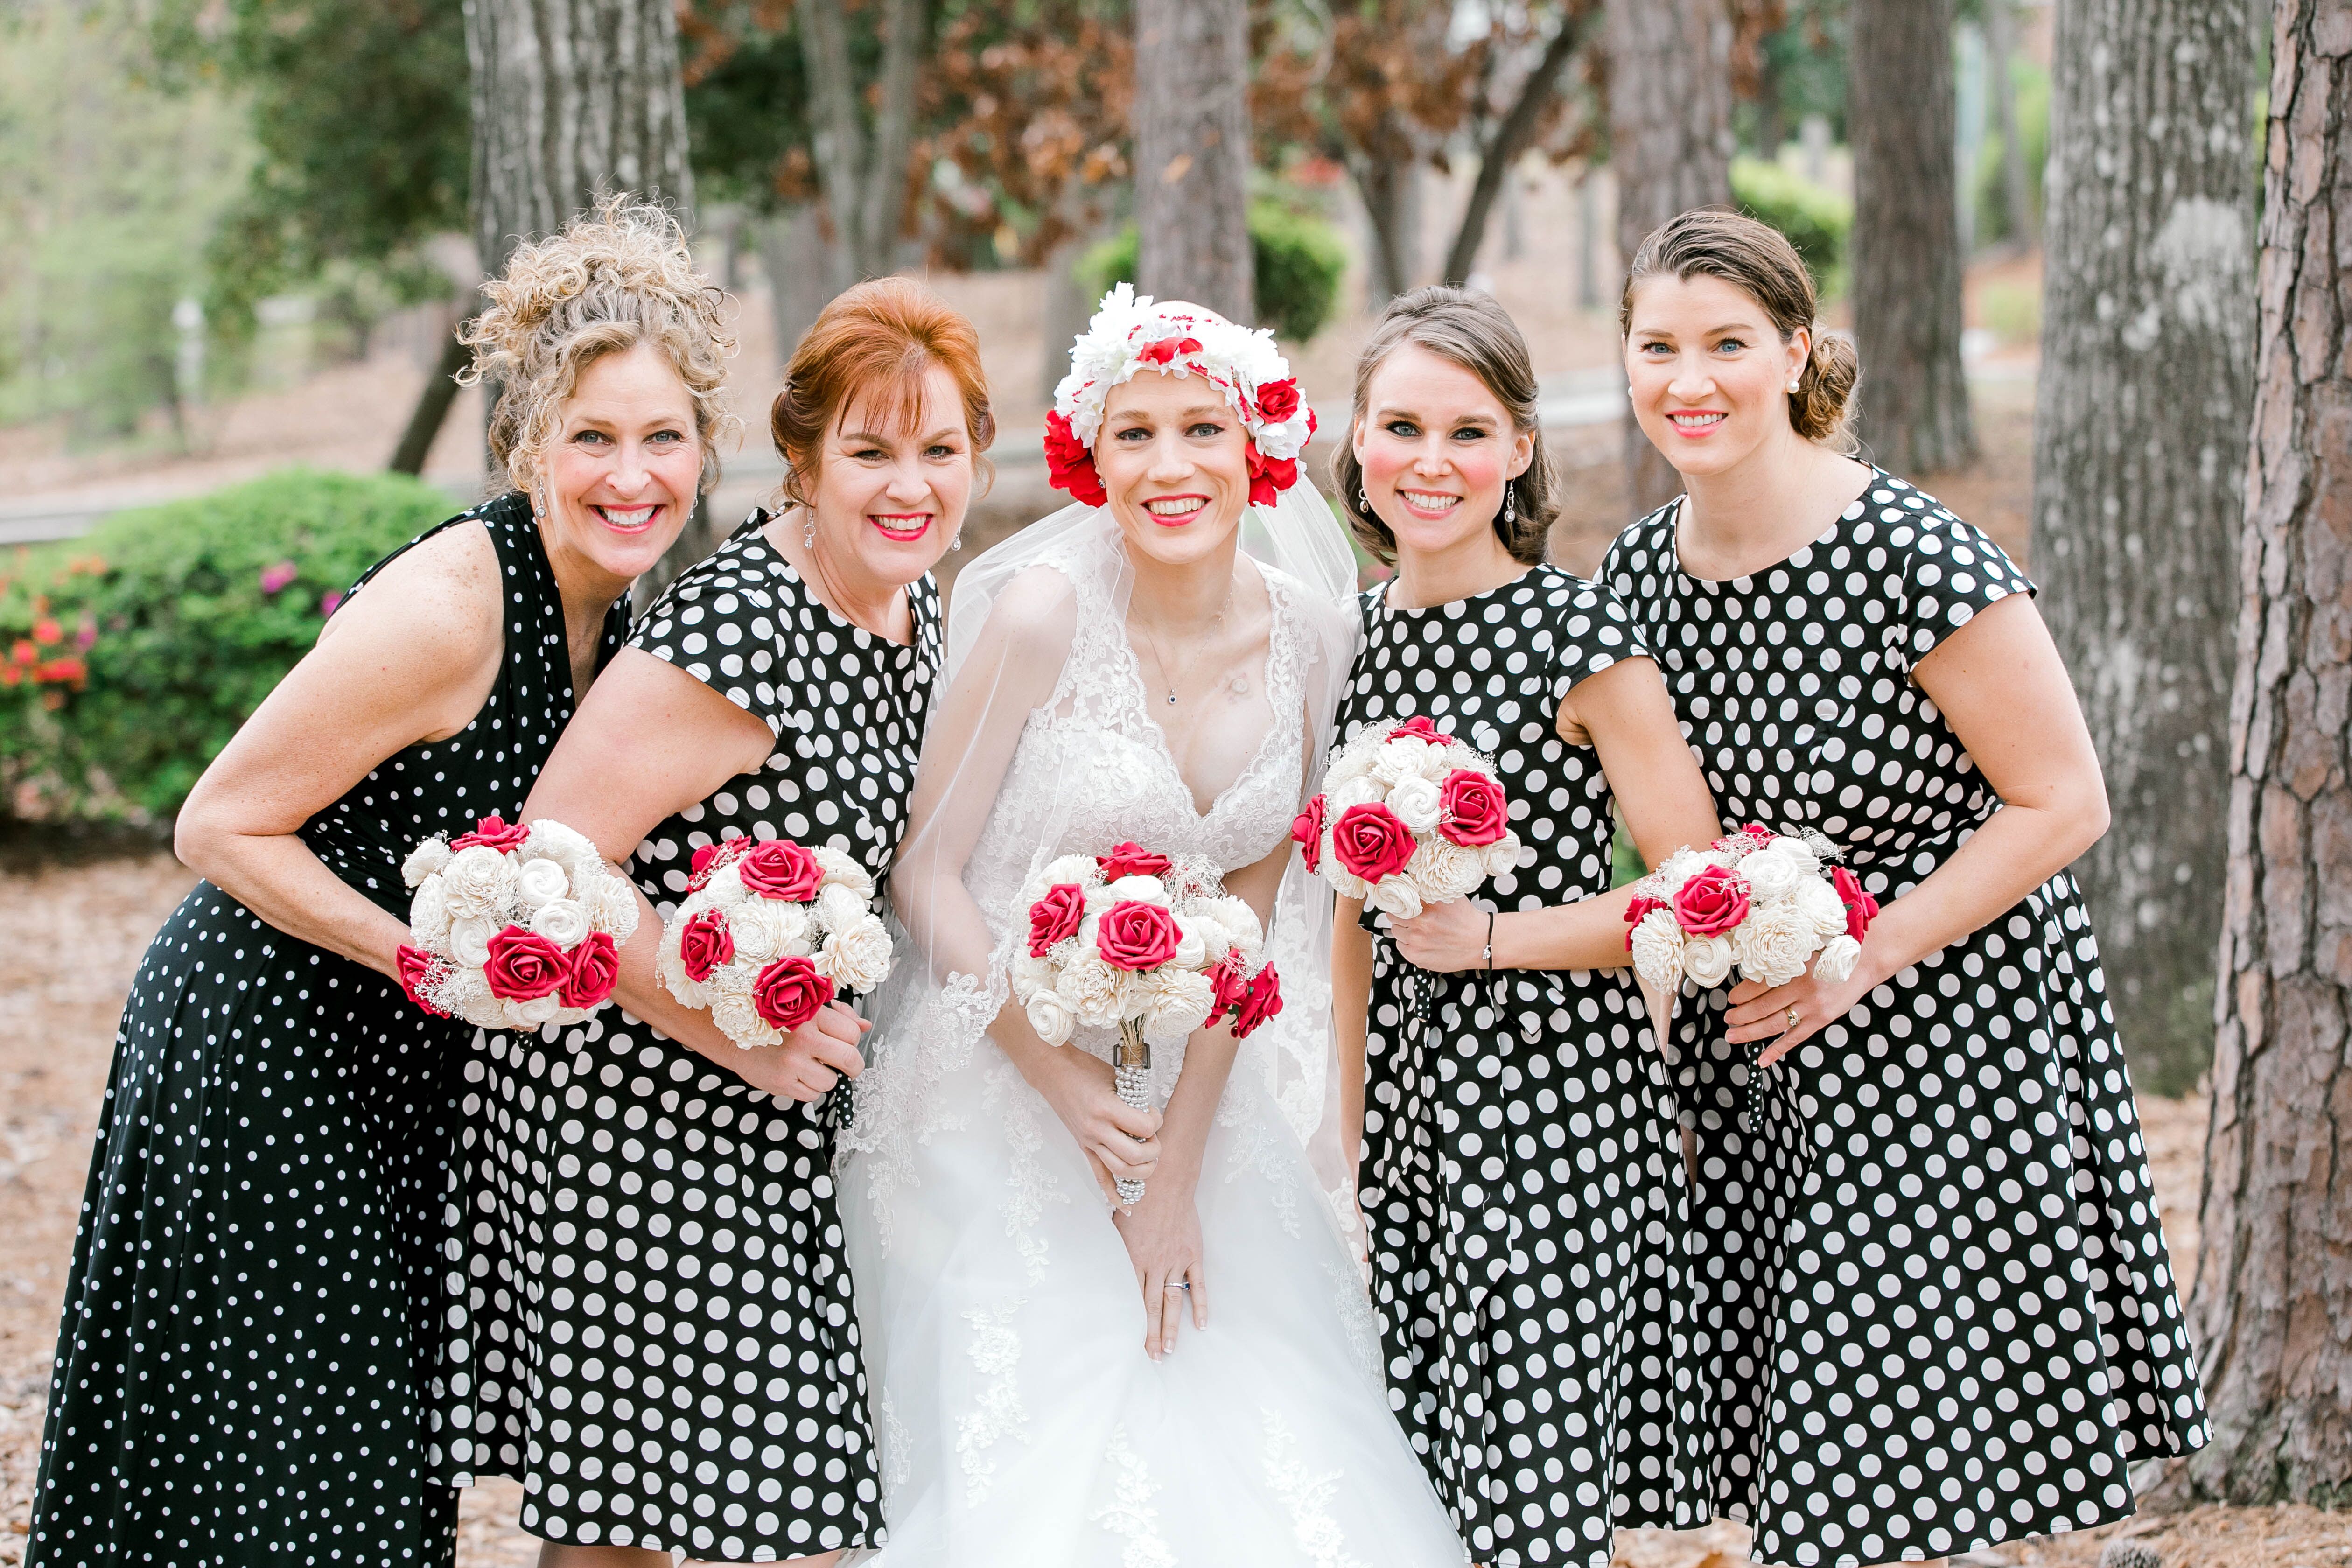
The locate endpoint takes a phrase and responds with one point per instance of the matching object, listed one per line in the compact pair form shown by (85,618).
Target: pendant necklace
(1166,680)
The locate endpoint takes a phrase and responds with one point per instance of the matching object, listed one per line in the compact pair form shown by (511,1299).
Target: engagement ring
(1792,1020)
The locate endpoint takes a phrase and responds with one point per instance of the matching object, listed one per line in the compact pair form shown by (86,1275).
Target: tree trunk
(1512,135)
(797,261)
(2017,185)
(1907,243)
(1193,155)
(862,172)
(1670,146)
(2139,473)
(1390,188)
(2272,1314)
(433,403)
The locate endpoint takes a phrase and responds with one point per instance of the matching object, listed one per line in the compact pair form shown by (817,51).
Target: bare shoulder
(442,596)
(1036,614)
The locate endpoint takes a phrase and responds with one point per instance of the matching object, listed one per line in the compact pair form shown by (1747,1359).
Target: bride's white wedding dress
(1019,1420)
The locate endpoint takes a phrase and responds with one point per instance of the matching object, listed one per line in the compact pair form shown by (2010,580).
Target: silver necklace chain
(1167,681)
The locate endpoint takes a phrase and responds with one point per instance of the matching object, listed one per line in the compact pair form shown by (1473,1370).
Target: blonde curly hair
(615,278)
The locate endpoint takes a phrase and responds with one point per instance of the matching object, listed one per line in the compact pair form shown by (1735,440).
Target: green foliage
(1298,262)
(1817,222)
(747,100)
(134,653)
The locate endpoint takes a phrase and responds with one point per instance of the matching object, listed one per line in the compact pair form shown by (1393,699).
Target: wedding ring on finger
(1792,1022)
(1176,1285)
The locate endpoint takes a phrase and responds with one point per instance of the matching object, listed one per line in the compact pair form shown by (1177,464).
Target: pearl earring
(1510,503)
(957,543)
(1793,389)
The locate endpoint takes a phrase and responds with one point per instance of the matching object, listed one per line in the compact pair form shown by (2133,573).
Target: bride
(1157,664)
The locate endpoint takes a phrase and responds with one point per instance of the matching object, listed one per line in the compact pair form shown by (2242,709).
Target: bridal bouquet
(1155,947)
(514,926)
(1408,817)
(769,933)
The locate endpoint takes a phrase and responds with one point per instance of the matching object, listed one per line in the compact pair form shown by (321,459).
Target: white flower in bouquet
(1099,898)
(427,857)
(1657,944)
(1362,790)
(469,940)
(725,890)
(1802,851)
(1774,943)
(1503,855)
(1193,944)
(669,964)
(540,882)
(1400,758)
(1819,903)
(563,921)
(480,881)
(1139,889)
(466,994)
(843,870)
(1344,882)
(1352,764)
(1051,1016)
(738,1017)
(855,957)
(1707,960)
(428,916)
(1417,803)
(1070,871)
(612,905)
(1395,896)
(730,979)
(1239,921)
(539,1010)
(765,928)
(838,908)
(567,847)
(1773,872)
(1180,1002)
(1838,956)
(1095,990)
(1445,869)
(1030,973)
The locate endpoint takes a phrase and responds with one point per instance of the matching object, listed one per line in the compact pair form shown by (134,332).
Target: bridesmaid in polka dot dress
(658,1334)
(1941,1309)
(247,1325)
(1522,1181)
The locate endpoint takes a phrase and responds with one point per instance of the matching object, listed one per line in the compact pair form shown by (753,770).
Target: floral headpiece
(1129,334)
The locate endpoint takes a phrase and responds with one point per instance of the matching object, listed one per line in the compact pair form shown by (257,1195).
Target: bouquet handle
(1131,1065)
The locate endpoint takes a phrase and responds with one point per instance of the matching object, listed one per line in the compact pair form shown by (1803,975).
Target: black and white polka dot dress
(1522,1177)
(238,1373)
(1942,1310)
(661,1330)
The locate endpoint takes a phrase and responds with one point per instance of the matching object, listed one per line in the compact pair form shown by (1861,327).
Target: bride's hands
(1163,1233)
(1121,1140)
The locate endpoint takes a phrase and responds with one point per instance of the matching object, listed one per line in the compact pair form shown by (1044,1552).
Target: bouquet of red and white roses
(769,933)
(1408,817)
(1155,948)
(514,926)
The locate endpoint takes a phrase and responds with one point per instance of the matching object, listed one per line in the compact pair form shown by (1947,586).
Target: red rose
(419,971)
(1055,916)
(1261,1000)
(1068,465)
(1278,401)
(524,965)
(789,992)
(1306,832)
(595,967)
(1420,727)
(1269,477)
(1475,809)
(1133,935)
(1370,841)
(1131,860)
(1861,908)
(1232,987)
(780,868)
(1165,351)
(704,943)
(1755,836)
(1635,912)
(710,856)
(493,832)
(1712,902)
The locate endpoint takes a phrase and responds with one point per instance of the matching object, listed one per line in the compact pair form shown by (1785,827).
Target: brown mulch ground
(71,937)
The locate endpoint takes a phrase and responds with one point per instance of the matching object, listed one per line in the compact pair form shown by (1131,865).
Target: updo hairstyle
(1469,329)
(1758,259)
(875,343)
(615,278)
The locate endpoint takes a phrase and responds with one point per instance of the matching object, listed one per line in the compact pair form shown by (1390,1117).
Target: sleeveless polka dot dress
(1522,1177)
(246,1328)
(1941,1308)
(661,1330)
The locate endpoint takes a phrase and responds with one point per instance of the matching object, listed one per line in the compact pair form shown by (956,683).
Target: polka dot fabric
(660,1326)
(1940,1307)
(247,1322)
(1522,1177)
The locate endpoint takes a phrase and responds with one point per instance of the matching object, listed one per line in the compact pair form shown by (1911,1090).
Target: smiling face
(1707,371)
(1174,460)
(620,477)
(892,488)
(1438,448)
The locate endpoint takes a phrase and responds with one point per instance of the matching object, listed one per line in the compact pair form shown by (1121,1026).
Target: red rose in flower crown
(1133,935)
(492,831)
(1474,811)
(704,943)
(1712,902)
(1131,860)
(524,965)
(1165,351)
(1371,841)
(1861,908)
(1056,916)
(1278,400)
(789,992)
(1070,463)
(1306,832)
(595,970)
(1269,477)
(780,868)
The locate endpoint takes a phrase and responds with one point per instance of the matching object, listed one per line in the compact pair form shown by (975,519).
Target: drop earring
(1363,502)
(1510,503)
(808,533)
(957,543)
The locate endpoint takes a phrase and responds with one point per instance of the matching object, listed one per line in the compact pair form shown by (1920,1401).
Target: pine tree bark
(2139,474)
(863,169)
(2271,1313)
(1193,155)
(1914,401)
(1670,146)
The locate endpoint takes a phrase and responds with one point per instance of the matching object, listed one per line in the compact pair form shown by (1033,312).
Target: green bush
(136,651)
(1297,260)
(1816,221)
